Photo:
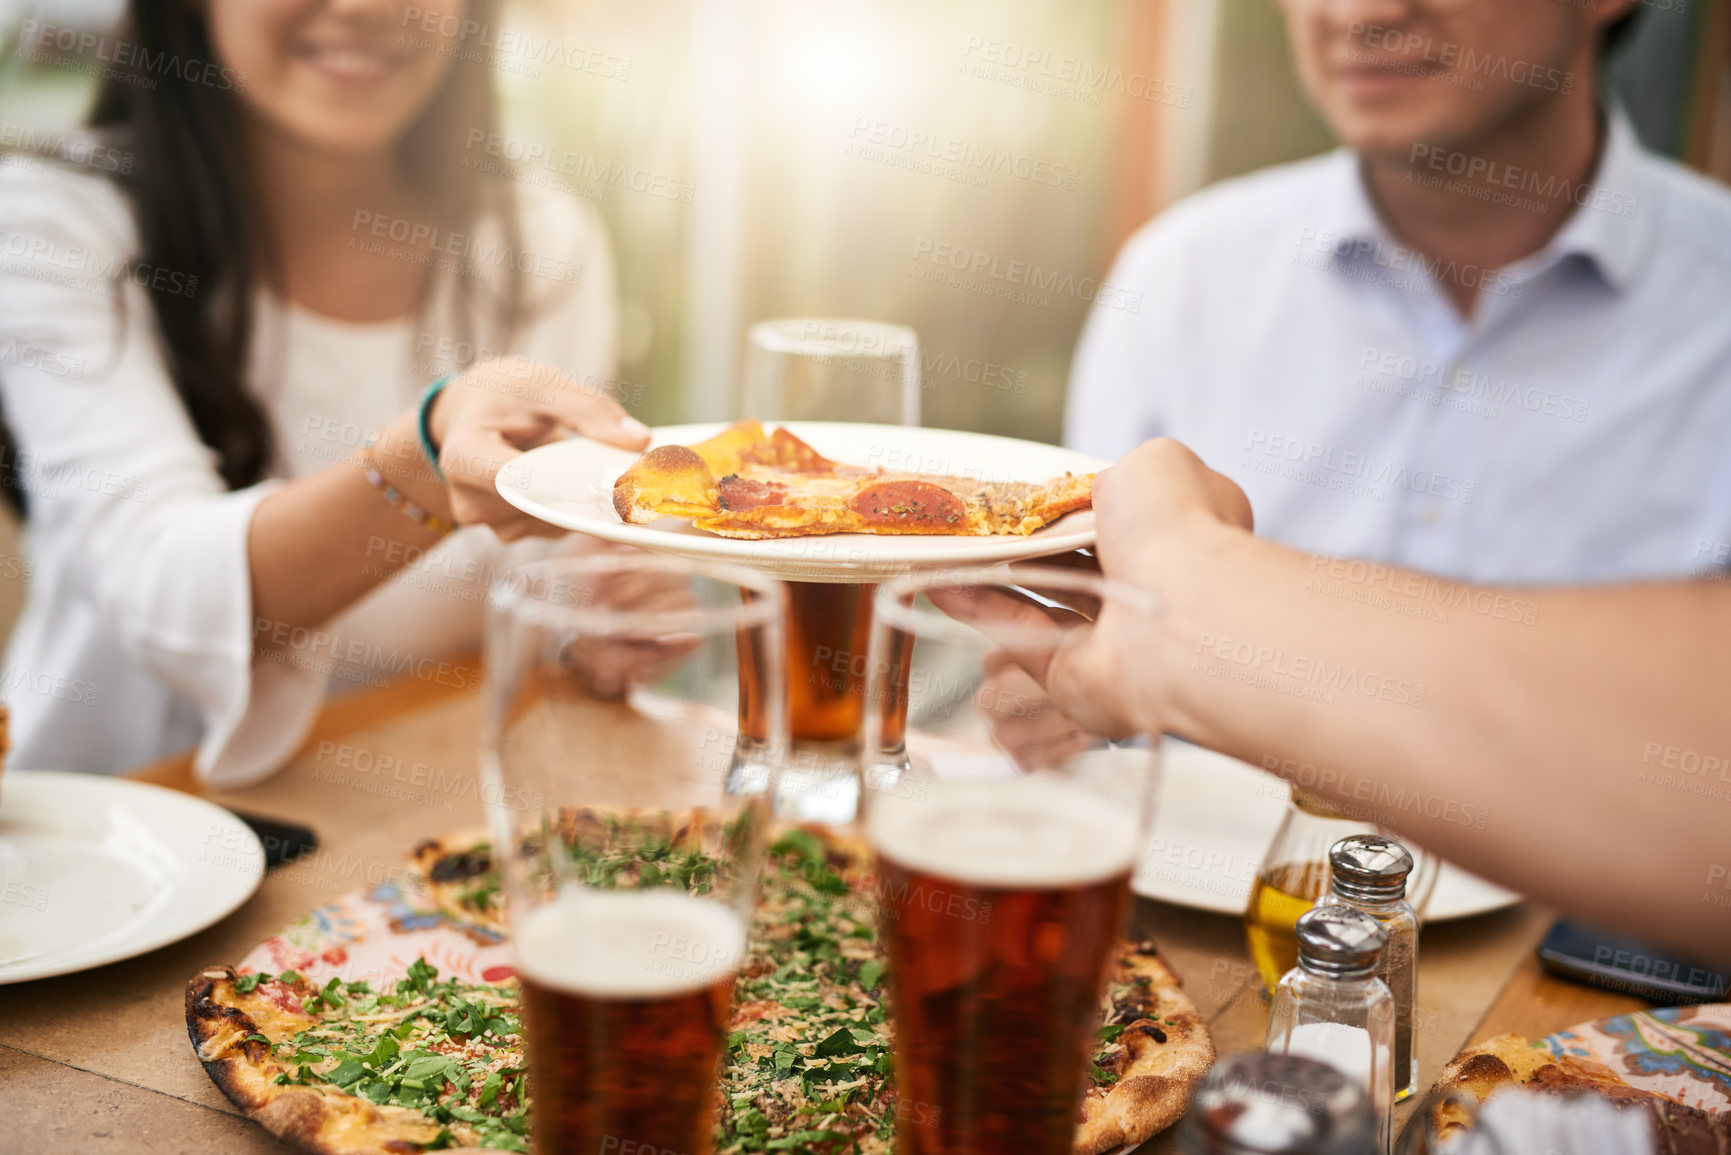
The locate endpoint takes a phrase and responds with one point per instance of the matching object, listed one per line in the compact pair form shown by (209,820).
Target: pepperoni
(909,503)
(743,493)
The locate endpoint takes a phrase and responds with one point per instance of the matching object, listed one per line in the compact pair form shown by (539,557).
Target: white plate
(1215,818)
(570,484)
(96,869)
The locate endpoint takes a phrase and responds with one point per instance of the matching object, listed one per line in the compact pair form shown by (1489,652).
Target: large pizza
(427,1061)
(748,483)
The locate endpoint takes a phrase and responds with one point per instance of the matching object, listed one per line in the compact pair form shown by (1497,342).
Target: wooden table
(99,1062)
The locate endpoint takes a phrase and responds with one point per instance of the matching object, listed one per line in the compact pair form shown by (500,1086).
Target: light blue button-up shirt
(1577,428)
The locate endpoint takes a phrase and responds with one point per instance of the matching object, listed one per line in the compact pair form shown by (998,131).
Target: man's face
(1389,74)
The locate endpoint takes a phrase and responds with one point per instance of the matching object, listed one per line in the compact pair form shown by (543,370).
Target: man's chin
(1392,137)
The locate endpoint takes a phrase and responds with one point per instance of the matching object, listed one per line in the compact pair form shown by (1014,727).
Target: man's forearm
(1574,740)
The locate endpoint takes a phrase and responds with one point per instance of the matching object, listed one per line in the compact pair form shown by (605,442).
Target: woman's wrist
(400,460)
(429,439)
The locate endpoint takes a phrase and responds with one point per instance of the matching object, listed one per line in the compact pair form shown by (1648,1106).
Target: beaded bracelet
(370,465)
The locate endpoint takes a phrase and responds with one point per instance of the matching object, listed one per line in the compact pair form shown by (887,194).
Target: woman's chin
(346,131)
(343,118)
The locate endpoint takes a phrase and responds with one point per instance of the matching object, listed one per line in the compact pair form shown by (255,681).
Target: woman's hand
(607,668)
(497,409)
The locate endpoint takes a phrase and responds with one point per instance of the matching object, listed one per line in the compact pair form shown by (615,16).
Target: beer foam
(629,943)
(1037,832)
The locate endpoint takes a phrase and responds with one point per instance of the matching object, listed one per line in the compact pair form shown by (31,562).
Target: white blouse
(137,634)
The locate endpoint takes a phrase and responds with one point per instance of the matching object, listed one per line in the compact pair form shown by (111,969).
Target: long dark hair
(197,213)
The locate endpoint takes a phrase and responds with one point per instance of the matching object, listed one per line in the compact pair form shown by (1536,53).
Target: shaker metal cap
(1370,868)
(1266,1103)
(1339,940)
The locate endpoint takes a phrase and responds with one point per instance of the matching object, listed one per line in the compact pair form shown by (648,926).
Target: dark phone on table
(282,841)
(1629,966)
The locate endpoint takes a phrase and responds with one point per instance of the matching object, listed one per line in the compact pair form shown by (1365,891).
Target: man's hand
(1156,492)
(1114,684)
(1033,731)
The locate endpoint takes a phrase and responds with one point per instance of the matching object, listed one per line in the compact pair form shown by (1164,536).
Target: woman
(298,249)
(1592,734)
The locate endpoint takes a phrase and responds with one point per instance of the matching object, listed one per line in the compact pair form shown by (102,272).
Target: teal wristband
(428,449)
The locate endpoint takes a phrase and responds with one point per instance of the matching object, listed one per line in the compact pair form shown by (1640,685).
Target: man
(1487,338)
(1585,762)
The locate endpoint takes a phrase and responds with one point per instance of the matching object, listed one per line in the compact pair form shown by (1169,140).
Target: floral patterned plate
(375,933)
(1683,1053)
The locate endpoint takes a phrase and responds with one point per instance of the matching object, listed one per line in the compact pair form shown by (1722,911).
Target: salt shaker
(1332,1007)
(1262,1104)
(1369,872)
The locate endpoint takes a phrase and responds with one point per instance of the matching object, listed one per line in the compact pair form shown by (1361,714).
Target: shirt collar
(1609,227)
(1346,213)
(1614,211)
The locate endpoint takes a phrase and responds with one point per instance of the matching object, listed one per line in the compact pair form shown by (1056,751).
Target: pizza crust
(1169,1051)
(668,481)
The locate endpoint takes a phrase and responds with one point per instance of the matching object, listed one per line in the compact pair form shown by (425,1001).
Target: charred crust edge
(203,1013)
(296,1114)
(1483,1066)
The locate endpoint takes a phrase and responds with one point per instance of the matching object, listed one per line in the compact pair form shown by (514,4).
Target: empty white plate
(1216,817)
(570,484)
(95,869)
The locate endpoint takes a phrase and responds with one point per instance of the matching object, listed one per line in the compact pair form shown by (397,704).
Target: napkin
(1530,1123)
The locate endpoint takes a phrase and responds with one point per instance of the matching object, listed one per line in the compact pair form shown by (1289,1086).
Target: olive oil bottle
(1282,892)
(1295,874)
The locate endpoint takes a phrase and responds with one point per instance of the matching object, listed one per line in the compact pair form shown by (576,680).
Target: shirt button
(1430,516)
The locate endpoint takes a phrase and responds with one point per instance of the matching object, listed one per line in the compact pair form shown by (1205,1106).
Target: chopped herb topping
(807,1066)
(451,1050)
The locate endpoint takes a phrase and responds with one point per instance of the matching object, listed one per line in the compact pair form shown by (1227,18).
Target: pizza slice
(747,483)
(1513,1061)
(456,871)
(458,876)
(354,1069)
(1155,1050)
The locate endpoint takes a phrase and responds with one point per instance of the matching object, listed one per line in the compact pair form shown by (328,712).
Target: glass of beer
(826,633)
(628,833)
(828,369)
(1005,835)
